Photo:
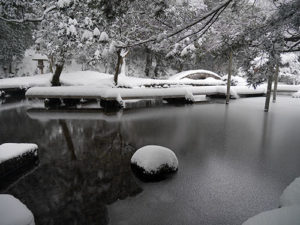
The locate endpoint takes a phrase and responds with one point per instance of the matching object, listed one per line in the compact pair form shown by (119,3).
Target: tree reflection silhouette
(76,189)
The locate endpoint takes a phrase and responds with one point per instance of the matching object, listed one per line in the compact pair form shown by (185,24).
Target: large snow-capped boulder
(282,216)
(153,163)
(291,195)
(14,212)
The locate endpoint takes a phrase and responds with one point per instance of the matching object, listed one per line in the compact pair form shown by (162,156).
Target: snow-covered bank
(14,212)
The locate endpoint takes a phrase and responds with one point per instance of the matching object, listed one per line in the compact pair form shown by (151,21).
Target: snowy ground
(97,79)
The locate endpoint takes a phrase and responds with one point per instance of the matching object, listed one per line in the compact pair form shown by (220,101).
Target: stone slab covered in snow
(14,212)
(291,195)
(282,216)
(137,93)
(14,156)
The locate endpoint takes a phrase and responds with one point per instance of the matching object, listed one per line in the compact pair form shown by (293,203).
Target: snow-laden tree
(87,29)
(14,40)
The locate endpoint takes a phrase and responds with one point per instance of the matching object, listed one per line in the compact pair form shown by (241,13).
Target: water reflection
(224,177)
(84,166)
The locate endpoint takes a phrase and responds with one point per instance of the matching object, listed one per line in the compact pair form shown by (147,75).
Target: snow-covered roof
(183,74)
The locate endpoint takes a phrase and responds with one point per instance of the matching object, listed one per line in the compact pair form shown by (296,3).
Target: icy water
(234,161)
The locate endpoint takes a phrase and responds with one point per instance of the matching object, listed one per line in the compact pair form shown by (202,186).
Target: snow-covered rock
(291,195)
(154,162)
(14,212)
(296,95)
(12,150)
(282,216)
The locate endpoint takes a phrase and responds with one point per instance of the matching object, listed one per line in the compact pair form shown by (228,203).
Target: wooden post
(269,89)
(229,77)
(275,83)
(119,62)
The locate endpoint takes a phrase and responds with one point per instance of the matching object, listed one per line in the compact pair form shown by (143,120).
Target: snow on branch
(212,13)
(38,19)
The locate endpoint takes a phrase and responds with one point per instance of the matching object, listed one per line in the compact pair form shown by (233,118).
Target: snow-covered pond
(235,161)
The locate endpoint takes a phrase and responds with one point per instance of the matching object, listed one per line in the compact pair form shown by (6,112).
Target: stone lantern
(40,58)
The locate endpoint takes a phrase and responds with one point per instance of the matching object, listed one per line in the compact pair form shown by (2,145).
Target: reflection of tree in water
(76,188)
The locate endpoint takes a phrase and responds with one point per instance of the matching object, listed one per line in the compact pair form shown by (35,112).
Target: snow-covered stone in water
(296,95)
(282,216)
(12,150)
(154,163)
(14,157)
(104,37)
(96,32)
(291,195)
(14,212)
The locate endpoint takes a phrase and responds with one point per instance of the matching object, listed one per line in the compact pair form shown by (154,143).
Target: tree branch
(207,15)
(33,20)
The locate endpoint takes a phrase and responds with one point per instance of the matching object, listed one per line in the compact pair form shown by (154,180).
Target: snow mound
(296,95)
(282,216)
(12,150)
(154,161)
(291,195)
(14,212)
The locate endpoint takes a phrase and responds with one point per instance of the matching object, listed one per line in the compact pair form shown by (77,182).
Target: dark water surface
(234,162)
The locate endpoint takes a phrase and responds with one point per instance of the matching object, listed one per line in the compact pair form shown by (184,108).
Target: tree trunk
(148,62)
(55,78)
(229,77)
(10,68)
(275,83)
(269,89)
(119,64)
(51,63)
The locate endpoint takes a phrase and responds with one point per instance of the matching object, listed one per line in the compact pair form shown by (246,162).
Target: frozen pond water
(234,162)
